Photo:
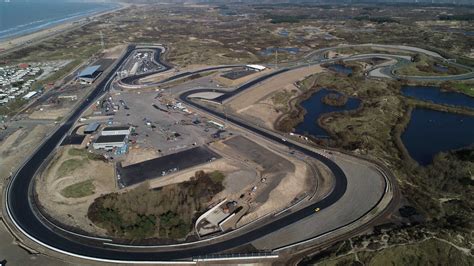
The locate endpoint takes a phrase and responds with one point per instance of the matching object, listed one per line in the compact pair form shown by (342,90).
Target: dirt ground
(228,167)
(279,179)
(114,52)
(256,104)
(14,149)
(48,113)
(73,211)
(138,155)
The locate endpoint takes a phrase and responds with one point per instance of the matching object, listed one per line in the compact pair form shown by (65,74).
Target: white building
(119,130)
(256,67)
(29,95)
(110,142)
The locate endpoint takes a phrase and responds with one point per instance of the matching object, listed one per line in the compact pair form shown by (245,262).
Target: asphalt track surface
(21,210)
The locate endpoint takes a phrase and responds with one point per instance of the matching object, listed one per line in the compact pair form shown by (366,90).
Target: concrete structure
(119,130)
(256,67)
(110,142)
(29,95)
(215,124)
(89,74)
(91,128)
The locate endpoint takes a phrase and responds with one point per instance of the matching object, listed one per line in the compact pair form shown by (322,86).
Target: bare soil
(73,211)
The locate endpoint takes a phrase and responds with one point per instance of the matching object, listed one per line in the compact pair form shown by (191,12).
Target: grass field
(84,153)
(70,166)
(465,88)
(79,190)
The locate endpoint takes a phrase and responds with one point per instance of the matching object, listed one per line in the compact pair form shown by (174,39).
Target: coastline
(20,41)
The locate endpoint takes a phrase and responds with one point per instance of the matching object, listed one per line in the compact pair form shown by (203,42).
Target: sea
(24,17)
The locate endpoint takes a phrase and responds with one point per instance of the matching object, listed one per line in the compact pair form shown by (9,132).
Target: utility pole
(276,57)
(102,40)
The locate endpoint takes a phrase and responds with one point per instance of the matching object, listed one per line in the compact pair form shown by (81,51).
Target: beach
(17,42)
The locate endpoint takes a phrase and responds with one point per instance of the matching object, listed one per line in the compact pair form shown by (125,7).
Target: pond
(283,33)
(340,68)
(271,50)
(436,95)
(430,132)
(315,108)
(441,68)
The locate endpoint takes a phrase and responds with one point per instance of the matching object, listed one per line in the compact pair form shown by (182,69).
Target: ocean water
(20,17)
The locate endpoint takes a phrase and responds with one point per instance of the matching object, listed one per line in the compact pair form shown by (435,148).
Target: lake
(436,95)
(271,50)
(315,108)
(430,132)
(19,18)
(339,68)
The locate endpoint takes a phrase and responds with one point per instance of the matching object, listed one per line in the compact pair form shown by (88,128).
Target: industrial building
(118,130)
(89,74)
(91,128)
(110,142)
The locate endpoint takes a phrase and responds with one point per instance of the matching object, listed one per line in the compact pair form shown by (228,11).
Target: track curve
(20,209)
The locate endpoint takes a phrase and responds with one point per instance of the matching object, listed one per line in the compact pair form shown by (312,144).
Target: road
(21,207)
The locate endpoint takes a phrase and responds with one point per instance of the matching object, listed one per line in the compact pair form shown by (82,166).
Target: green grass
(217,177)
(424,66)
(79,190)
(465,88)
(12,107)
(69,166)
(85,154)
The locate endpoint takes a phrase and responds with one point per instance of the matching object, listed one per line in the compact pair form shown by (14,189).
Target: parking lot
(140,62)
(161,123)
(136,173)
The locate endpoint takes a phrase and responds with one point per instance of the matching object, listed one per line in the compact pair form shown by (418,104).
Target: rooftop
(92,127)
(88,71)
(111,139)
(116,128)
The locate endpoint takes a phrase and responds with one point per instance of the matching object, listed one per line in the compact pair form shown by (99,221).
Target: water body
(19,18)
(430,132)
(339,68)
(436,95)
(441,68)
(271,50)
(315,108)
(283,33)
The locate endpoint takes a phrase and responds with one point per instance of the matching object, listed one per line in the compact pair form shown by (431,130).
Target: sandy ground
(8,44)
(285,178)
(257,93)
(138,155)
(114,52)
(227,167)
(256,103)
(17,146)
(49,32)
(49,113)
(294,184)
(73,211)
(264,112)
